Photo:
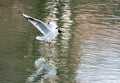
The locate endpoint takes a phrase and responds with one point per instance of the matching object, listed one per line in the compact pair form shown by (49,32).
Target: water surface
(88,51)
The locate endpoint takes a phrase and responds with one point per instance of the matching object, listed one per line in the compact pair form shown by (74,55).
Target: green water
(88,51)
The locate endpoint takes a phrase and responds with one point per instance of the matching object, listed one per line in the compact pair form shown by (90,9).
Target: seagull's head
(59,31)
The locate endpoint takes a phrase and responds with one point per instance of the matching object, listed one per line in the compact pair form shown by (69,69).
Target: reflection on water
(100,43)
(88,51)
(44,70)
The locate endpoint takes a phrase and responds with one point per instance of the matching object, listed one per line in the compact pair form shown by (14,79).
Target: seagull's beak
(60,32)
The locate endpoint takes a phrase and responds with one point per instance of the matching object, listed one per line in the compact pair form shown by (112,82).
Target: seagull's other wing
(52,26)
(38,24)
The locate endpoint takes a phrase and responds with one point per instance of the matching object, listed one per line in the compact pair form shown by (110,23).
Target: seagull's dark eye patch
(59,31)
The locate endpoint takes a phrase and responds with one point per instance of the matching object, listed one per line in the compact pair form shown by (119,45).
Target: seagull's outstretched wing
(38,24)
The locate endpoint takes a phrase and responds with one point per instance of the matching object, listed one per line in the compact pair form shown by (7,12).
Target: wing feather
(41,26)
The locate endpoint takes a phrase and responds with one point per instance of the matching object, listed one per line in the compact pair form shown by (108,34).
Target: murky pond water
(88,51)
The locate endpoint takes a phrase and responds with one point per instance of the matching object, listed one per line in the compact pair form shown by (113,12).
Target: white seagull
(49,31)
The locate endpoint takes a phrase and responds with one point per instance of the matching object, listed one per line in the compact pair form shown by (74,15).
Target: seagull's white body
(49,31)
(48,37)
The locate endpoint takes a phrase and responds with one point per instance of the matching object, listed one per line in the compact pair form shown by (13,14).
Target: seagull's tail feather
(39,38)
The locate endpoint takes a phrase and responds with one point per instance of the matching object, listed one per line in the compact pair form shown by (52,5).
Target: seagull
(49,31)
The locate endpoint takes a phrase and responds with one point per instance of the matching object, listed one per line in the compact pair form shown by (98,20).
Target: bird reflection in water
(44,70)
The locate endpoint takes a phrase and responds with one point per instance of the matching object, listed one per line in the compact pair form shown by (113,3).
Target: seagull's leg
(50,44)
